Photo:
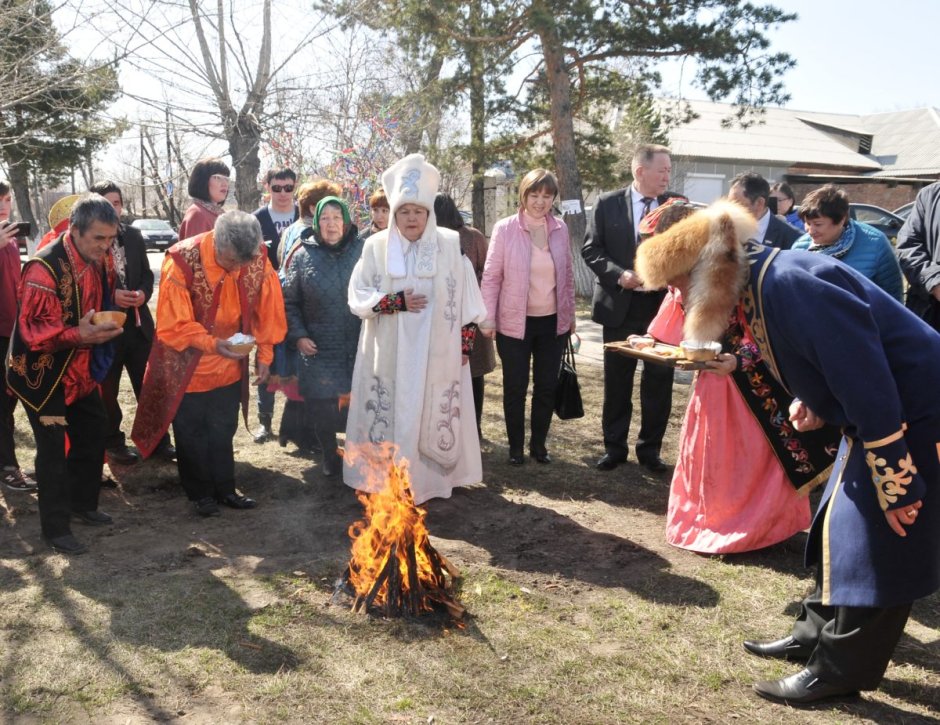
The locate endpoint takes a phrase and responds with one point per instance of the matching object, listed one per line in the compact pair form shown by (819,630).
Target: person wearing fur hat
(875,538)
(419,299)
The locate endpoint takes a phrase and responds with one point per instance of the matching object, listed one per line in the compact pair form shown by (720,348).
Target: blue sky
(855,56)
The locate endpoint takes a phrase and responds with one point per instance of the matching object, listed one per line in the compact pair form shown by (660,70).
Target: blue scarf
(842,245)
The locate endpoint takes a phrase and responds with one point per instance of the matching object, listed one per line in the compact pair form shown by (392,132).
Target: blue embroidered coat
(861,361)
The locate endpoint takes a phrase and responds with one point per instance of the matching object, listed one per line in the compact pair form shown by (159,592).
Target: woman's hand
(414,302)
(488,329)
(803,418)
(306,346)
(724,365)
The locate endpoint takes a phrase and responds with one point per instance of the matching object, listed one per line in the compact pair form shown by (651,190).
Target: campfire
(394,570)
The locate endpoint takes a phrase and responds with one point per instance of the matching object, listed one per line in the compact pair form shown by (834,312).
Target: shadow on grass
(529,538)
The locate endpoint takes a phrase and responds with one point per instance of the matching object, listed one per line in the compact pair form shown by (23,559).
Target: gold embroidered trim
(887,439)
(826,552)
(890,483)
(752,300)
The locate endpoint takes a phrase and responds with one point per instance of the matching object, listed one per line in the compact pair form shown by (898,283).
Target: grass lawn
(578,611)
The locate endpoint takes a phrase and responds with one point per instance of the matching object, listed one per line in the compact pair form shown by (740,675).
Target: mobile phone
(23,229)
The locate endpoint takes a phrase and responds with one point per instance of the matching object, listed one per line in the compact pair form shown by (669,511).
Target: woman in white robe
(420,303)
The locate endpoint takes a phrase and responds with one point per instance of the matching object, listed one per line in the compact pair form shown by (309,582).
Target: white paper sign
(570,206)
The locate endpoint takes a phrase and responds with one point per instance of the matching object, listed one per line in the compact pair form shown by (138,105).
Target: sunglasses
(277,188)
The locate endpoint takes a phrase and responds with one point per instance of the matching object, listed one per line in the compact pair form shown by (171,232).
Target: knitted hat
(411,180)
(708,247)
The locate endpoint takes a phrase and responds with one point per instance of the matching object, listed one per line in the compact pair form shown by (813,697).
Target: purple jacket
(505,283)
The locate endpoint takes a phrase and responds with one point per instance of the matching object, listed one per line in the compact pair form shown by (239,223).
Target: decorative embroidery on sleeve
(391,303)
(468,336)
(890,483)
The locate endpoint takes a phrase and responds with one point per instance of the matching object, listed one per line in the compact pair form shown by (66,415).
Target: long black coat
(918,253)
(315,297)
(139,276)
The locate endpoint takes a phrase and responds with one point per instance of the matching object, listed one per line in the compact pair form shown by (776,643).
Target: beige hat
(60,211)
(411,180)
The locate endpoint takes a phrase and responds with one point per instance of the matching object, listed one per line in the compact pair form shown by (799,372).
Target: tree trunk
(244,143)
(19,183)
(566,160)
(477,119)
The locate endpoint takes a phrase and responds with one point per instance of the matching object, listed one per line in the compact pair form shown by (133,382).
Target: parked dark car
(904,211)
(881,219)
(157,233)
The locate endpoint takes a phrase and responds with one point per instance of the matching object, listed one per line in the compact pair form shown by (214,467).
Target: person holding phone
(10,232)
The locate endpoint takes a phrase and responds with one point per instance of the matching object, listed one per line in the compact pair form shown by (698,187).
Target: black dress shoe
(332,464)
(122,455)
(516,459)
(67,544)
(542,457)
(608,462)
(237,501)
(166,451)
(801,689)
(654,464)
(92,518)
(781,649)
(263,433)
(207,507)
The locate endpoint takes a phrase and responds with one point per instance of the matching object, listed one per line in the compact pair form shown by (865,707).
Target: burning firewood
(394,570)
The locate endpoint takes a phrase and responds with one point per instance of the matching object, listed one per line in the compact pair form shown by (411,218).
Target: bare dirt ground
(578,609)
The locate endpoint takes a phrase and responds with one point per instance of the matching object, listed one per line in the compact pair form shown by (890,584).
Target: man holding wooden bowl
(59,353)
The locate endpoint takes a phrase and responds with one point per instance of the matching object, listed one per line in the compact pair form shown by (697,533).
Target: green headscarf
(330,200)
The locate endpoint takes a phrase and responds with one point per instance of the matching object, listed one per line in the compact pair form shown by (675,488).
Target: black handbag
(567,392)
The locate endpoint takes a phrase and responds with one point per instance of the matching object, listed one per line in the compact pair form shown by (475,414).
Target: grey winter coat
(315,296)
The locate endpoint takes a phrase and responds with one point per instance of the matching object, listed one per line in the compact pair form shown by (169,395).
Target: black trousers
(69,482)
(131,351)
(324,420)
(542,348)
(7,406)
(477,385)
(853,644)
(203,428)
(655,387)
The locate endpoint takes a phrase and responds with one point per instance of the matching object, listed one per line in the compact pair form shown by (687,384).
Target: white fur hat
(411,180)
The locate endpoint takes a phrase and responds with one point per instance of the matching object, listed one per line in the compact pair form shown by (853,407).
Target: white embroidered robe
(409,386)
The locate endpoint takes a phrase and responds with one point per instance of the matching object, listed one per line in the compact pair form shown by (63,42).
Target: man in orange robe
(212,286)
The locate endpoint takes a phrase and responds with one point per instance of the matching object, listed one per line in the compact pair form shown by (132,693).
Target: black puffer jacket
(315,296)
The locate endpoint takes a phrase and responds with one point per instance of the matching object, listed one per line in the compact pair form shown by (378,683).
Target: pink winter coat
(505,282)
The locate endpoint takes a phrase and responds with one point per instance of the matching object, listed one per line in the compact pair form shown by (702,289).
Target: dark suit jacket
(139,276)
(780,233)
(609,249)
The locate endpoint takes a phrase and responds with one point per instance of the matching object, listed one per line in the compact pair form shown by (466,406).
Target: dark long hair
(445,210)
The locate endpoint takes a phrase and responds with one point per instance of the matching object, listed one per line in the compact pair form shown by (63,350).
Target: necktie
(647,201)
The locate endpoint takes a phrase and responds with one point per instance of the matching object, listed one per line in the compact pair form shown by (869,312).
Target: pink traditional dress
(742,473)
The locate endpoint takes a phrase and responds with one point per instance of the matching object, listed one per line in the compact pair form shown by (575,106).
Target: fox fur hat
(708,247)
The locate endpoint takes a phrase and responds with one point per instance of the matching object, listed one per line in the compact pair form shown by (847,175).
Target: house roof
(903,143)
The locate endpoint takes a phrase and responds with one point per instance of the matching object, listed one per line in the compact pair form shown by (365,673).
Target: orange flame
(393,526)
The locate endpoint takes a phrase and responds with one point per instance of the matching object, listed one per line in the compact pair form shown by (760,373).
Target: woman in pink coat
(528,289)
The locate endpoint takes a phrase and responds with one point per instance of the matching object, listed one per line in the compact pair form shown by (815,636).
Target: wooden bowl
(700,350)
(242,348)
(118,318)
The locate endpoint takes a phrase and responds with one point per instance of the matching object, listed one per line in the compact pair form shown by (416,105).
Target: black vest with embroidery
(36,377)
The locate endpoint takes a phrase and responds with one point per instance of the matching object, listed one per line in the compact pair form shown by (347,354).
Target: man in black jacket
(918,253)
(274,217)
(133,289)
(624,308)
(752,191)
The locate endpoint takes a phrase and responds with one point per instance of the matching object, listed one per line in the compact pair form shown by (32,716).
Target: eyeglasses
(277,188)
(219,177)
